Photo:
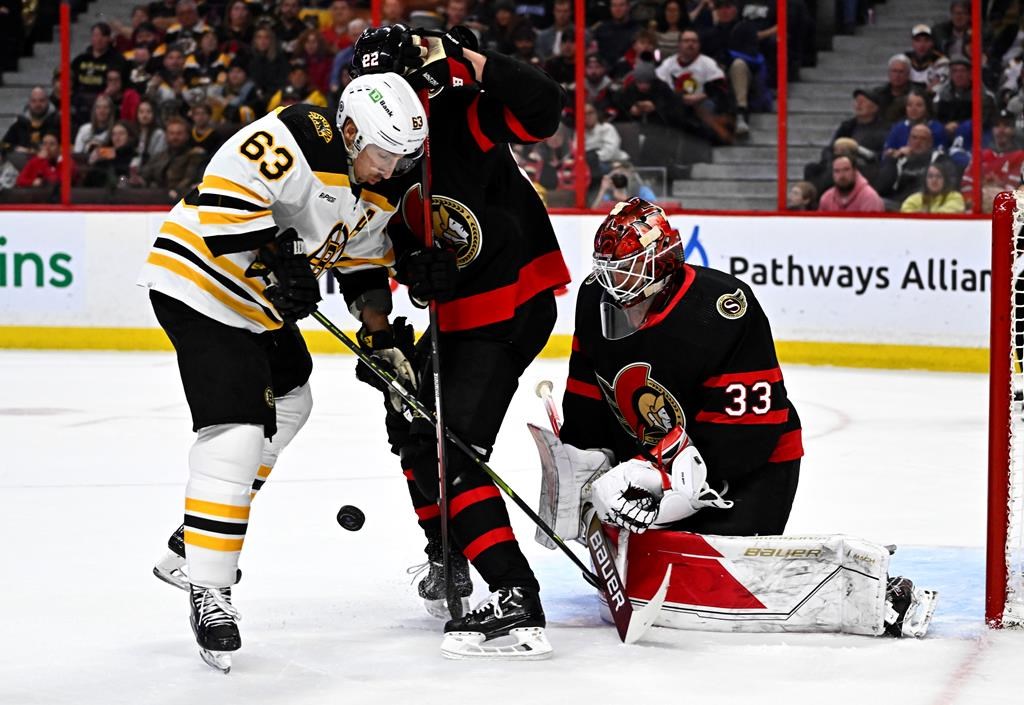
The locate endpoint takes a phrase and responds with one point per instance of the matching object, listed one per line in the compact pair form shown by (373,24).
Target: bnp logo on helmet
(377,98)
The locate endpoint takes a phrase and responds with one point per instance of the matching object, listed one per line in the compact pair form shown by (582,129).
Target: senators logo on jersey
(645,408)
(454,223)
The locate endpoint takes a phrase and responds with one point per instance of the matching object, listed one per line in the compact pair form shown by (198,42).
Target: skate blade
(439,608)
(169,569)
(919,615)
(221,660)
(528,644)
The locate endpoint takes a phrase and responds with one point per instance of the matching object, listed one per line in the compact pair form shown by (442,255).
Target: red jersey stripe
(468,499)
(745,378)
(473,118)
(772,417)
(583,389)
(517,127)
(408,473)
(496,305)
(689,275)
(789,447)
(485,541)
(428,512)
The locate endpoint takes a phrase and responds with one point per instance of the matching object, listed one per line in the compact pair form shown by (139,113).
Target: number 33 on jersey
(287,169)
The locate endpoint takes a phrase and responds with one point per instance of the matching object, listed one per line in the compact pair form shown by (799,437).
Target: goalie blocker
(822,583)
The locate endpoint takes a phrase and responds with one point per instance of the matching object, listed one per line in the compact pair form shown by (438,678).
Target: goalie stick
(631,624)
(419,409)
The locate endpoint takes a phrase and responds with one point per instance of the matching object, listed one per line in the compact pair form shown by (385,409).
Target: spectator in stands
(40,118)
(145,35)
(893,94)
(177,169)
(124,34)
(336,34)
(268,67)
(562,66)
(621,184)
(733,44)
(162,12)
(288,26)
(597,84)
(168,85)
(954,98)
(151,137)
(126,100)
(644,49)
(12,32)
(549,158)
(140,69)
(903,172)
(235,32)
(670,21)
(927,65)
(498,36)
(801,196)
(1001,161)
(205,133)
(615,35)
(110,164)
(208,63)
(298,89)
(702,87)
(953,37)
(185,32)
(340,75)
(96,132)
(851,192)
(701,13)
(44,168)
(234,104)
(89,70)
(524,38)
(8,172)
(939,194)
(601,142)
(549,41)
(314,50)
(916,111)
(647,100)
(866,126)
(392,12)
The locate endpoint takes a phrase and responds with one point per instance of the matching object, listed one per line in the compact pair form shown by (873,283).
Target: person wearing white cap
(927,65)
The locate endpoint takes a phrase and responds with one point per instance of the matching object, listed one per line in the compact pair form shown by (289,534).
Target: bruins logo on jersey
(458,227)
(732,306)
(322,126)
(645,408)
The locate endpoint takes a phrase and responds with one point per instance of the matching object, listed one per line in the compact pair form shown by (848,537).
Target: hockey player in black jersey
(661,344)
(495,311)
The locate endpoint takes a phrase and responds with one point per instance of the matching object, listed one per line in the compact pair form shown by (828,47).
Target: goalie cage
(1004,573)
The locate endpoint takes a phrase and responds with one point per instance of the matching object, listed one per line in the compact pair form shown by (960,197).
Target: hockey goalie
(661,346)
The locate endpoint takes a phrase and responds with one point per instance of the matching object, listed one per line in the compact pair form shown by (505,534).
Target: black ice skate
(908,610)
(215,624)
(432,588)
(171,568)
(510,624)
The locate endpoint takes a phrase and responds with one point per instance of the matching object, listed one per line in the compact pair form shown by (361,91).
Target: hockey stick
(453,601)
(629,623)
(419,409)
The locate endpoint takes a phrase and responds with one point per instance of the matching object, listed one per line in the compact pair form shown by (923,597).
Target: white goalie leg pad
(762,583)
(566,475)
(523,644)
(222,465)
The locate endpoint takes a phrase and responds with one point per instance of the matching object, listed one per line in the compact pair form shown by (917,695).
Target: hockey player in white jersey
(234,265)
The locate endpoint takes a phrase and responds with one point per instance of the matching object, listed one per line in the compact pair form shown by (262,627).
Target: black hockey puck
(351,518)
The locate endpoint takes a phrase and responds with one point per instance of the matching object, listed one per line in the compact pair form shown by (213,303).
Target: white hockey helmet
(386,112)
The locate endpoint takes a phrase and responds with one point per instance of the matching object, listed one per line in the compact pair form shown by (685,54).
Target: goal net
(1004,590)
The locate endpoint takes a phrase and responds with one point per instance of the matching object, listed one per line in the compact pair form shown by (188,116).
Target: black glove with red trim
(383,49)
(430,273)
(446,65)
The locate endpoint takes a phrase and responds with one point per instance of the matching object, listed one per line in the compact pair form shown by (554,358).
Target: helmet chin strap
(352,151)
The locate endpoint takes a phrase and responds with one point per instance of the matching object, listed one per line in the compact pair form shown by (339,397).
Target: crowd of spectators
(907,146)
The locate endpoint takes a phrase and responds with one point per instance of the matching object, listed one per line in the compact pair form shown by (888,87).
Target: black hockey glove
(446,65)
(430,273)
(383,49)
(391,349)
(295,291)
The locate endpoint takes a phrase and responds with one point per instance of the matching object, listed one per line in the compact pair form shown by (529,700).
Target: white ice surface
(91,483)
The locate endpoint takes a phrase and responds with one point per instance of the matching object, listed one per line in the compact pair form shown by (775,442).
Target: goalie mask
(636,254)
(389,119)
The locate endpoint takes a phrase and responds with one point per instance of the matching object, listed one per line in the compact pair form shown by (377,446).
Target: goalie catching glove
(390,349)
(294,291)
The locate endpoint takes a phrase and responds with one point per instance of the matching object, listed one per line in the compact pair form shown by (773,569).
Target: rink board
(858,292)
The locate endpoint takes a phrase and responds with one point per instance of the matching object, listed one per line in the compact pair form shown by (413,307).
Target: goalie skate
(508,626)
(909,610)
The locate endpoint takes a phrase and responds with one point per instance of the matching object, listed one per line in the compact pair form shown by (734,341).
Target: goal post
(1004,573)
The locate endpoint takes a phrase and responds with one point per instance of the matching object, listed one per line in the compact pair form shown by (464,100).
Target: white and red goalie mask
(636,253)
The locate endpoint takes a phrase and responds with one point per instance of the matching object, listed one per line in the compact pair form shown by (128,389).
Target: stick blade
(642,619)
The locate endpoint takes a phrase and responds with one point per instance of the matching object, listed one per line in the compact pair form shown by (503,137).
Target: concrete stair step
(682,188)
(820,105)
(736,202)
(745,172)
(761,154)
(818,93)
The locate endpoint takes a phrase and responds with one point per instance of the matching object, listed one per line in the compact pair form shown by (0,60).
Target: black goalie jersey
(707,362)
(484,207)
